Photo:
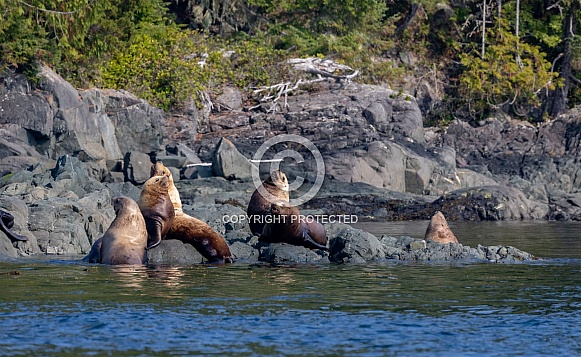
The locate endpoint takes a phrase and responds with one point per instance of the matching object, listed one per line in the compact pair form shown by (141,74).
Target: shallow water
(66,308)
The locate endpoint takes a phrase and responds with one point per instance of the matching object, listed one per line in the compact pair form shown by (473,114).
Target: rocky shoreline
(64,153)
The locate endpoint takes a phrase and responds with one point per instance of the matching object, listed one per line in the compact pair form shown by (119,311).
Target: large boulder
(229,163)
(52,119)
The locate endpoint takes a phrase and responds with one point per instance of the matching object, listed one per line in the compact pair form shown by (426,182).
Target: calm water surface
(55,307)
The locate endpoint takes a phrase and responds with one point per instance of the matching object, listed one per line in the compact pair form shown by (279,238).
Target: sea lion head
(439,231)
(157,184)
(278,179)
(159,169)
(123,202)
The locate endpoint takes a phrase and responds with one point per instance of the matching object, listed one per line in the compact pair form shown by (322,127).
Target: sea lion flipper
(153,233)
(8,218)
(94,255)
(310,242)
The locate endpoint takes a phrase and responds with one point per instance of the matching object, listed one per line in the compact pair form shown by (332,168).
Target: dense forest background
(471,58)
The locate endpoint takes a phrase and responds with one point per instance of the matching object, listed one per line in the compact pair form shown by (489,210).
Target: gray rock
(6,248)
(138,125)
(243,252)
(286,253)
(136,167)
(19,210)
(229,163)
(73,176)
(350,245)
(124,189)
(411,249)
(379,115)
(229,99)
(172,161)
(490,203)
(174,252)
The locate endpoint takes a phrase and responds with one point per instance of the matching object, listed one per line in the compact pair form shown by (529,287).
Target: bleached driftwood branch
(322,68)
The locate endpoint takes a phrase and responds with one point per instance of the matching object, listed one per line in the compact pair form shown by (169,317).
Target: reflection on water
(68,308)
(385,308)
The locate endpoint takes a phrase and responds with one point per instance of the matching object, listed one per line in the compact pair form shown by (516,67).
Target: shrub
(511,74)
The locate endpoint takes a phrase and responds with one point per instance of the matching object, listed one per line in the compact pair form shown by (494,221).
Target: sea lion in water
(157,208)
(7,222)
(94,255)
(259,206)
(286,225)
(191,230)
(438,230)
(125,240)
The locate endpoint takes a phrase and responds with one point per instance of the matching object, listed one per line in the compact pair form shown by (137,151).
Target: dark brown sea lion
(286,225)
(191,230)
(7,222)
(259,206)
(125,240)
(157,209)
(438,230)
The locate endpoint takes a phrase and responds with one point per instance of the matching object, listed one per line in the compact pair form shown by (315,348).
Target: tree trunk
(558,100)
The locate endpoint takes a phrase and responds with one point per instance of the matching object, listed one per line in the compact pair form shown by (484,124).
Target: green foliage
(136,45)
(336,16)
(165,68)
(70,35)
(511,73)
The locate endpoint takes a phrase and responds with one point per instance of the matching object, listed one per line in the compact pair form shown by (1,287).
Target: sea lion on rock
(157,208)
(201,236)
(159,169)
(438,230)
(286,225)
(7,222)
(259,206)
(191,230)
(125,240)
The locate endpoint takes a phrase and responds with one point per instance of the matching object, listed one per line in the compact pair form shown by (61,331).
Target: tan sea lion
(191,230)
(157,208)
(438,230)
(125,240)
(7,222)
(286,225)
(259,206)
(201,236)
(159,169)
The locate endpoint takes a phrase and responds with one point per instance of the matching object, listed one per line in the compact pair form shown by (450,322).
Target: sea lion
(159,169)
(157,208)
(201,236)
(7,222)
(286,225)
(94,255)
(125,240)
(191,230)
(438,230)
(277,185)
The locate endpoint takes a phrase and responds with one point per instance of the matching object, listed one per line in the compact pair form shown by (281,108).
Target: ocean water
(58,306)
